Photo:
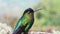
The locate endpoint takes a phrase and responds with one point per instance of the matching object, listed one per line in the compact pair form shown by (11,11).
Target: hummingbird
(25,22)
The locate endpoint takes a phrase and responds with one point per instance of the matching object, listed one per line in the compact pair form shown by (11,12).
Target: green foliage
(52,15)
(38,15)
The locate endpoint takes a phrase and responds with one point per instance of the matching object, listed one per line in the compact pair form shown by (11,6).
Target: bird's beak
(43,8)
(37,10)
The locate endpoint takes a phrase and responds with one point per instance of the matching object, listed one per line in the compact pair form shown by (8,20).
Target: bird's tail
(19,30)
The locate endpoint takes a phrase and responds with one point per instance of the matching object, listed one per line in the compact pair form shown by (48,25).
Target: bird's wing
(19,23)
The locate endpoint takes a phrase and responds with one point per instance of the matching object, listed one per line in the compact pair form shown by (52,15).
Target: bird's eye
(28,12)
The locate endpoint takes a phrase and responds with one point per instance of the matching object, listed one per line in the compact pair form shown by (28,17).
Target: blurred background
(47,18)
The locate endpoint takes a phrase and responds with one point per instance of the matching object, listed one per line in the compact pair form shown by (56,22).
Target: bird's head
(28,11)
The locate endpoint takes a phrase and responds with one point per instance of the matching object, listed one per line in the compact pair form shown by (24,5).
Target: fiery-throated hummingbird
(25,22)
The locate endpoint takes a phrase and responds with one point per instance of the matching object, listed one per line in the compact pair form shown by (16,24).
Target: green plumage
(22,21)
(25,22)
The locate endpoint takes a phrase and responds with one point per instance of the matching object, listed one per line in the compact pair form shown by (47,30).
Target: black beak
(37,10)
